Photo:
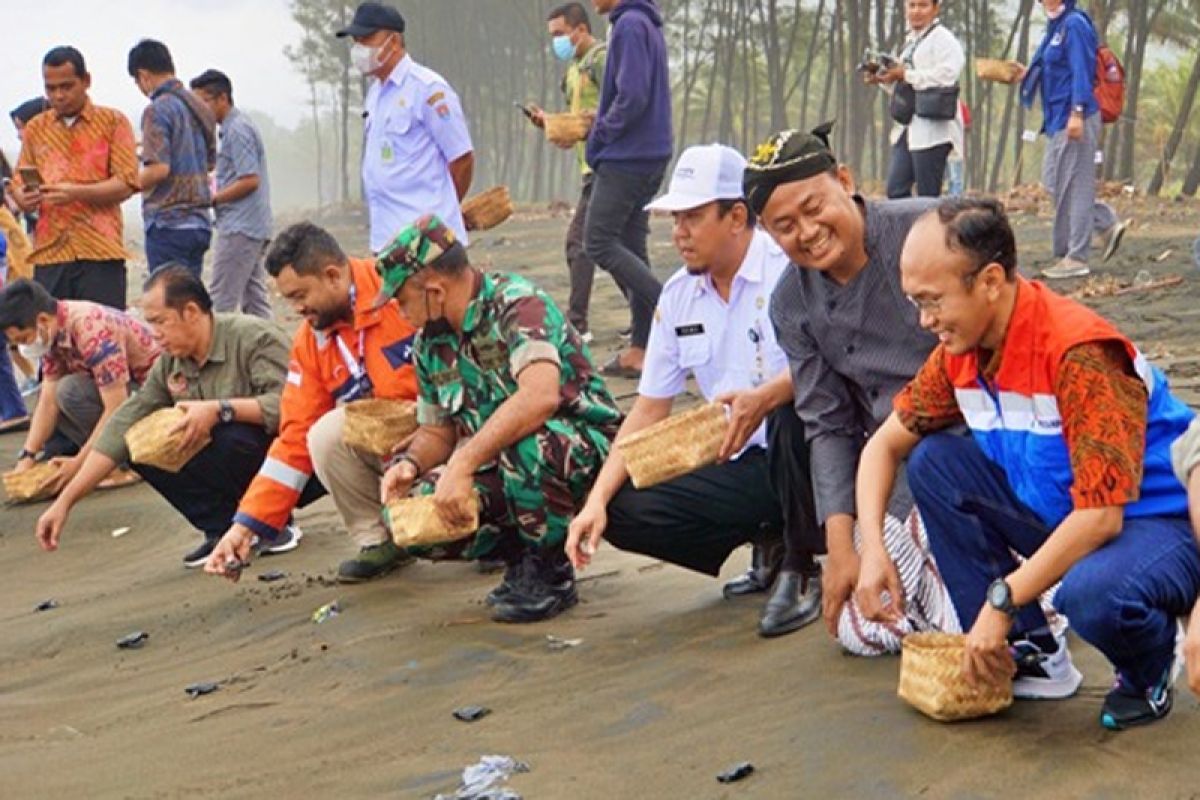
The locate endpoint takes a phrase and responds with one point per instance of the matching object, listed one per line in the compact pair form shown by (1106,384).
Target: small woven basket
(152,442)
(414,522)
(487,209)
(677,445)
(993,69)
(931,680)
(32,485)
(567,129)
(376,426)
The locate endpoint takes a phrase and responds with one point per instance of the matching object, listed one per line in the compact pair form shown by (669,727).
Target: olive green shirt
(581,88)
(247,358)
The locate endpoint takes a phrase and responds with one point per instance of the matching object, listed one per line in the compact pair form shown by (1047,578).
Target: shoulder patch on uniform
(433,98)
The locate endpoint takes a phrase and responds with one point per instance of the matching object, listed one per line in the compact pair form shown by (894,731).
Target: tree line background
(741,69)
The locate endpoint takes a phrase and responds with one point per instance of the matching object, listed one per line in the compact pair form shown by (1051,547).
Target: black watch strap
(23,454)
(225,412)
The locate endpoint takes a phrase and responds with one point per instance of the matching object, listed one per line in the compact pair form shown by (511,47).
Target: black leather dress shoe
(765,561)
(796,602)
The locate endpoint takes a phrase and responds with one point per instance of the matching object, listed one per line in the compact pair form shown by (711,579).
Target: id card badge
(1099,158)
(386,154)
(1029,135)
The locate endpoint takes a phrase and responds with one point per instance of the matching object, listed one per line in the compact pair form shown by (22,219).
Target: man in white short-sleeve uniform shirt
(712,322)
(417,151)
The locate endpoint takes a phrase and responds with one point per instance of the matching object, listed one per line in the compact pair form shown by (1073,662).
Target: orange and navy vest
(1017,423)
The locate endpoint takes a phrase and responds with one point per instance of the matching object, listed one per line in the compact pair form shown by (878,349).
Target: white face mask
(37,348)
(366,58)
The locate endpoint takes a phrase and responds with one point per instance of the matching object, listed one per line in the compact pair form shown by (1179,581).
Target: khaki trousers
(352,479)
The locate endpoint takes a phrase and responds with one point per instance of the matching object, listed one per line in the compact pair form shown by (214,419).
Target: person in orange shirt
(86,164)
(345,350)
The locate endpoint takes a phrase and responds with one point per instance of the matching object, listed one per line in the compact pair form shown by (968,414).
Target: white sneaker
(1044,677)
(1113,237)
(1067,268)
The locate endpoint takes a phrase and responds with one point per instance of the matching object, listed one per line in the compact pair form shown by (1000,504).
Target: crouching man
(1068,466)
(510,407)
(712,322)
(226,372)
(346,349)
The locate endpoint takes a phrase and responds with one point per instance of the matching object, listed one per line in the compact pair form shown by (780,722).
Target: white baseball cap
(704,173)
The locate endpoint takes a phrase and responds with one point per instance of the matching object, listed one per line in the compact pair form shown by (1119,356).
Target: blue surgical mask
(563,49)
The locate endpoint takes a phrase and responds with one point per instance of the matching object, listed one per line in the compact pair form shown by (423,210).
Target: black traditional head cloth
(786,157)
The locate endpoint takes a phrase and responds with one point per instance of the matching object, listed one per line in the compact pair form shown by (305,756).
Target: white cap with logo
(704,173)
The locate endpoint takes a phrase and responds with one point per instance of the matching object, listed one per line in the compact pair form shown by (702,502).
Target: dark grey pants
(615,236)
(925,168)
(697,520)
(582,270)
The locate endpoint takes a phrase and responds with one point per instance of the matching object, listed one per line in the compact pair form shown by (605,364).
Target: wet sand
(669,686)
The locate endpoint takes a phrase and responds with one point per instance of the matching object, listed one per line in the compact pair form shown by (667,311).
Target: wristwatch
(999,597)
(225,412)
(1078,110)
(24,454)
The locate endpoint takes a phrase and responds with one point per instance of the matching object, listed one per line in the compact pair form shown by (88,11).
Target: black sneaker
(1125,707)
(543,587)
(373,561)
(197,557)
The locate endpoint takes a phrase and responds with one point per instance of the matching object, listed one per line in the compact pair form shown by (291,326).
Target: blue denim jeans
(1123,598)
(12,405)
(185,246)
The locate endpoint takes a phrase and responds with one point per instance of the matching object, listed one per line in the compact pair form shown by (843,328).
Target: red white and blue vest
(1016,419)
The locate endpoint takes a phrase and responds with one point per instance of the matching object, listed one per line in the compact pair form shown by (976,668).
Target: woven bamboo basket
(677,445)
(32,485)
(931,680)
(376,426)
(993,69)
(567,129)
(152,442)
(487,209)
(414,521)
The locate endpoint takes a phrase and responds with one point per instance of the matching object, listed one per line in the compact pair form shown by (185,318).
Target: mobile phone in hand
(31,178)
(524,110)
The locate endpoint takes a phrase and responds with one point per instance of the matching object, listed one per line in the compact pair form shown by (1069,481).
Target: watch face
(998,594)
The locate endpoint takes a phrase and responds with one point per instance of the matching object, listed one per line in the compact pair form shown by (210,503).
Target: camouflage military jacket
(509,325)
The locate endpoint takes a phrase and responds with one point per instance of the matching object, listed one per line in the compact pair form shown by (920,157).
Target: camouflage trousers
(529,494)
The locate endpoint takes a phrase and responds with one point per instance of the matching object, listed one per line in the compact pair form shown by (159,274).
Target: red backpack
(1109,84)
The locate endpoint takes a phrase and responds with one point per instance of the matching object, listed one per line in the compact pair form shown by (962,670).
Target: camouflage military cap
(418,246)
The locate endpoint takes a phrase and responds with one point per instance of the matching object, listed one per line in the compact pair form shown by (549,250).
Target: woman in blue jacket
(1063,70)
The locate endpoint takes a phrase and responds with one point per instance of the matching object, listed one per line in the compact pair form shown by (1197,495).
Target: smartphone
(524,110)
(31,178)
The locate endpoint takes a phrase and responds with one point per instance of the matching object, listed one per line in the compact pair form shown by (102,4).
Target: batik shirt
(509,325)
(107,344)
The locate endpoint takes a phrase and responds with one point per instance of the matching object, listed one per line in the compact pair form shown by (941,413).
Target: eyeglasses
(932,306)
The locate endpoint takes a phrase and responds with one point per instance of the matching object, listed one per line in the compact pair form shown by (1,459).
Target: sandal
(119,478)
(613,368)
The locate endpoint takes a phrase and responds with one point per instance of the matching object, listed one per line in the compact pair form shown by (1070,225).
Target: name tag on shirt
(694,329)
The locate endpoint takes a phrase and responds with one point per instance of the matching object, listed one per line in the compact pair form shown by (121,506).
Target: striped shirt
(851,349)
(97,146)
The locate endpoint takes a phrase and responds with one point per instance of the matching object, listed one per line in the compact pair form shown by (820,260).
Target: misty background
(740,69)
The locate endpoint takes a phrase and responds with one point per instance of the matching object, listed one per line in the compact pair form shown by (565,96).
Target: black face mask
(436,326)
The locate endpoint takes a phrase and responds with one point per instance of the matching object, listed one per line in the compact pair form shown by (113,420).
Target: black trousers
(925,168)
(697,520)
(97,281)
(209,487)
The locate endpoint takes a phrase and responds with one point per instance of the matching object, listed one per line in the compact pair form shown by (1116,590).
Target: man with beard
(711,322)
(511,409)
(346,349)
(852,341)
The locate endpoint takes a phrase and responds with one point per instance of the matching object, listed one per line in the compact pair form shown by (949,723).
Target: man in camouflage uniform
(510,407)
